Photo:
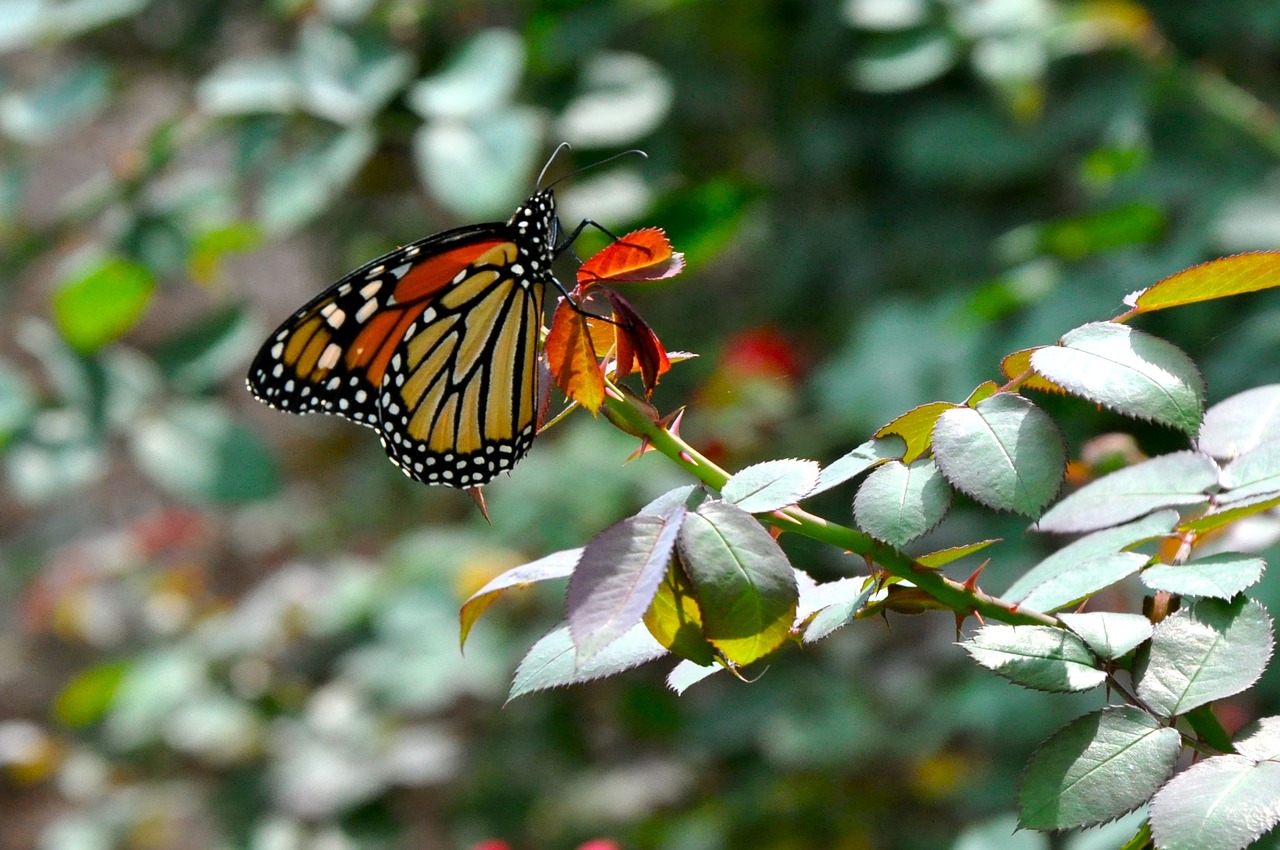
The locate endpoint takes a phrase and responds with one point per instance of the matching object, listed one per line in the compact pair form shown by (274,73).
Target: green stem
(1205,724)
(1141,839)
(953,594)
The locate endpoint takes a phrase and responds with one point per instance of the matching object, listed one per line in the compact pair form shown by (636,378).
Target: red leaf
(639,256)
(572,358)
(637,344)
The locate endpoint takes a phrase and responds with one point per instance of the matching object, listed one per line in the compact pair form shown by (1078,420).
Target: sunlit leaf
(554,566)
(481,168)
(858,461)
(1083,579)
(1219,576)
(572,358)
(1040,657)
(344,77)
(626,97)
(1202,653)
(1018,363)
(196,449)
(1222,803)
(675,619)
(1215,279)
(1128,371)
(478,79)
(916,428)
(687,674)
(86,698)
(1095,769)
(1108,633)
(1180,478)
(1242,422)
(303,186)
(641,255)
(1254,473)
(552,661)
(837,604)
(771,485)
(898,503)
(102,302)
(744,583)
(617,577)
(943,557)
(1005,452)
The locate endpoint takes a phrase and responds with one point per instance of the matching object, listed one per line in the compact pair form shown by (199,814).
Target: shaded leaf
(1108,633)
(1219,576)
(196,449)
(1095,769)
(617,577)
(1244,421)
(743,581)
(553,566)
(1040,657)
(1222,803)
(898,503)
(1005,452)
(478,79)
(675,620)
(1208,651)
(552,661)
(637,344)
(836,603)
(300,188)
(1128,371)
(771,485)
(1180,478)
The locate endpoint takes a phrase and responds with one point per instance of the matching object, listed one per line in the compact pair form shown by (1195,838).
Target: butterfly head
(535,220)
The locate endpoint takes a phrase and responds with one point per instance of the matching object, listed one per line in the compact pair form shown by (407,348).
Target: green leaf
(1219,576)
(347,78)
(1219,517)
(553,566)
(480,78)
(201,355)
(1211,650)
(1105,230)
(903,61)
(1222,803)
(626,97)
(302,187)
(211,246)
(102,303)
(898,503)
(835,604)
(1005,452)
(772,485)
(1262,740)
(1254,473)
(17,403)
(552,661)
(1181,478)
(1083,580)
(942,557)
(1215,279)
(66,99)
(674,618)
(1105,542)
(1040,657)
(1128,371)
(617,577)
(858,461)
(915,427)
(744,583)
(86,698)
(480,169)
(1242,422)
(689,497)
(1096,768)
(196,449)
(1108,633)
(250,85)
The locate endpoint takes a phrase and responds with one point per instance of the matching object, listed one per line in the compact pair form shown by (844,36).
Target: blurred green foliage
(224,627)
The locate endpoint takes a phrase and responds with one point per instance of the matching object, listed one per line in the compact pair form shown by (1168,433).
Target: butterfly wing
(458,401)
(332,354)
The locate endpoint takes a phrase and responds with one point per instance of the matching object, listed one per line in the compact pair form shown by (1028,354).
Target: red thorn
(775,532)
(477,496)
(671,422)
(688,458)
(971,583)
(644,448)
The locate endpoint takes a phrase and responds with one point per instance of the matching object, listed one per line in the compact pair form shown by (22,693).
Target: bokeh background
(225,627)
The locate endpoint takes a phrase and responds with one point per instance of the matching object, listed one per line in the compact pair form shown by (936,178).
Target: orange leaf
(642,255)
(572,358)
(637,344)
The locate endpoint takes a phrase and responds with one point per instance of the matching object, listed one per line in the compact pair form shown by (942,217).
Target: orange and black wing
(434,345)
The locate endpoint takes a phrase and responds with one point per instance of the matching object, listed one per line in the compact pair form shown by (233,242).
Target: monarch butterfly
(433,345)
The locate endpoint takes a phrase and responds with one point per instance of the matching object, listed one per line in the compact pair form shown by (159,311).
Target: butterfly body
(433,345)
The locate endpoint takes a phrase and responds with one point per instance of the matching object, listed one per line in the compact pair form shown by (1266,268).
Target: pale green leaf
(553,566)
(1040,657)
(102,302)
(1128,371)
(1244,421)
(858,461)
(1005,452)
(1220,576)
(772,485)
(898,503)
(1222,803)
(1108,633)
(552,661)
(1181,478)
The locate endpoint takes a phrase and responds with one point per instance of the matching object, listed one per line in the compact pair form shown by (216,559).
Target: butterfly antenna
(555,153)
(604,161)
